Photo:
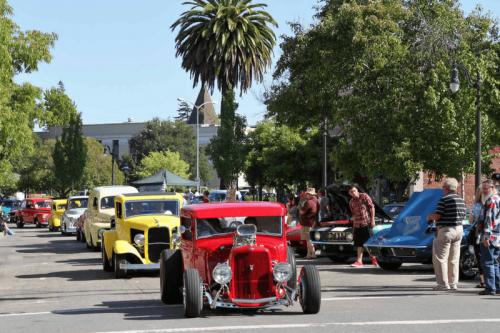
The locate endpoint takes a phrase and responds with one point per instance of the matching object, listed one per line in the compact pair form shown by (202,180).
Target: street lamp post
(126,169)
(454,85)
(197,136)
(28,183)
(106,150)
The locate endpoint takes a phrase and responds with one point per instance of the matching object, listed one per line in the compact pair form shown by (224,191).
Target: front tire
(37,224)
(171,276)
(106,265)
(290,258)
(20,223)
(339,259)
(192,295)
(310,290)
(120,273)
(390,266)
(78,235)
(51,227)
(467,261)
(63,228)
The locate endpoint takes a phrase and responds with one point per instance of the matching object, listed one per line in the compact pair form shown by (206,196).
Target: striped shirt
(452,210)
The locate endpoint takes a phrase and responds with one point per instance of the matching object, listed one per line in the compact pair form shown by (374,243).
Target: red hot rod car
(235,255)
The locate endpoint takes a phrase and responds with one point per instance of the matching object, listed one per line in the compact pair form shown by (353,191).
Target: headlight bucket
(471,249)
(349,237)
(140,239)
(222,274)
(176,238)
(282,272)
(317,236)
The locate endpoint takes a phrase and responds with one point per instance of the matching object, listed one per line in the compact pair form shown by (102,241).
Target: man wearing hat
(308,210)
(496,180)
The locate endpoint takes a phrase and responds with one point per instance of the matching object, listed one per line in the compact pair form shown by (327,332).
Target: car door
(29,212)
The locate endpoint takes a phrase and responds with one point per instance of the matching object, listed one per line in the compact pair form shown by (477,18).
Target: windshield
(152,207)
(393,211)
(227,225)
(10,204)
(78,203)
(61,206)
(108,202)
(43,204)
(217,197)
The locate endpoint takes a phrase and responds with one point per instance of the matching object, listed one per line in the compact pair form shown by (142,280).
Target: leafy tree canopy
(157,161)
(20,52)
(176,136)
(60,108)
(395,58)
(184,112)
(227,150)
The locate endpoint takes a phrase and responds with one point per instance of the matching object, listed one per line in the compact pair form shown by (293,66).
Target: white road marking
(282,326)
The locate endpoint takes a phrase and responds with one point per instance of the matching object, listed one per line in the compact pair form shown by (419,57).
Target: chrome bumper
(143,267)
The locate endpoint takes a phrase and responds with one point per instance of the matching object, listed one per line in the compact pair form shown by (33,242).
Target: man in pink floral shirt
(489,226)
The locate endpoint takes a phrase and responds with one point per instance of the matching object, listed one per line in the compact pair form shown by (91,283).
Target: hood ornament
(157,222)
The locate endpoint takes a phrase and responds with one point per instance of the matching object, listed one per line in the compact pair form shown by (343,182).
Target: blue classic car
(9,208)
(410,238)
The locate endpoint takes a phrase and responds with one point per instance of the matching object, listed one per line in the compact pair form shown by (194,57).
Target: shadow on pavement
(62,246)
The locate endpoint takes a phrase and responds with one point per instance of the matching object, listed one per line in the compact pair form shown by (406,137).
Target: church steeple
(207,112)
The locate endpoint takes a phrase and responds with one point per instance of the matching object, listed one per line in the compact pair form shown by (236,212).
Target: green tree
(162,135)
(394,57)
(225,40)
(184,112)
(227,150)
(20,52)
(70,156)
(60,108)
(157,161)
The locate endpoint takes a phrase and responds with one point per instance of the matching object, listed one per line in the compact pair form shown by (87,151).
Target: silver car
(75,207)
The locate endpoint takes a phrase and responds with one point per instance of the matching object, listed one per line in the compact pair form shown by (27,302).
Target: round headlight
(349,237)
(471,249)
(222,274)
(176,238)
(139,239)
(317,236)
(282,272)
(101,232)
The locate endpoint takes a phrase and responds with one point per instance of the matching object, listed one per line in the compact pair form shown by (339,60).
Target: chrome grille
(157,235)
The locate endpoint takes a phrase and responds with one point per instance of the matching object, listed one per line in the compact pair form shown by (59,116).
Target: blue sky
(117,58)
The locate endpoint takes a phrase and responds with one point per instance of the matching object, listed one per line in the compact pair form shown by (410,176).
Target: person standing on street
(324,210)
(363,215)
(449,214)
(496,181)
(308,212)
(490,238)
(206,199)
(474,217)
(190,195)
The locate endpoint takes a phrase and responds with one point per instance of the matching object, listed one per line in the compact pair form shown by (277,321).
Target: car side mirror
(182,229)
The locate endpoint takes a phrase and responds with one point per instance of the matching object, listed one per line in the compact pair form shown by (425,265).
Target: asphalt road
(51,283)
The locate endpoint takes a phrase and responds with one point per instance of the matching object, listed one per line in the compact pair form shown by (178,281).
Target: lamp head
(454,81)
(180,99)
(126,169)
(215,102)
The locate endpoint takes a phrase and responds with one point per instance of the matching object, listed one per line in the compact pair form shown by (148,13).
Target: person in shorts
(363,215)
(307,221)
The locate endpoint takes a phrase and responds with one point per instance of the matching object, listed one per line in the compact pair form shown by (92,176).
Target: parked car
(79,224)
(101,213)
(334,238)
(9,208)
(393,209)
(57,209)
(235,255)
(197,199)
(217,196)
(34,211)
(75,207)
(410,238)
(144,226)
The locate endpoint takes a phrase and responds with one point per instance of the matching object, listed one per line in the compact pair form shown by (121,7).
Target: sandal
(481,285)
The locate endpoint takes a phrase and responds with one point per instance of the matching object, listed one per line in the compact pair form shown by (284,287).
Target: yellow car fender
(124,247)
(94,231)
(108,241)
(56,223)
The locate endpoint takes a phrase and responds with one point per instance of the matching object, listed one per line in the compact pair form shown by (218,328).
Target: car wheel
(82,239)
(310,290)
(301,252)
(20,223)
(339,259)
(51,227)
(78,235)
(467,261)
(171,276)
(192,293)
(390,266)
(106,265)
(95,247)
(290,258)
(37,224)
(120,273)
(63,229)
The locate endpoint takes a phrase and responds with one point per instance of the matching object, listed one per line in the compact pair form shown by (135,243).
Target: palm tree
(227,41)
